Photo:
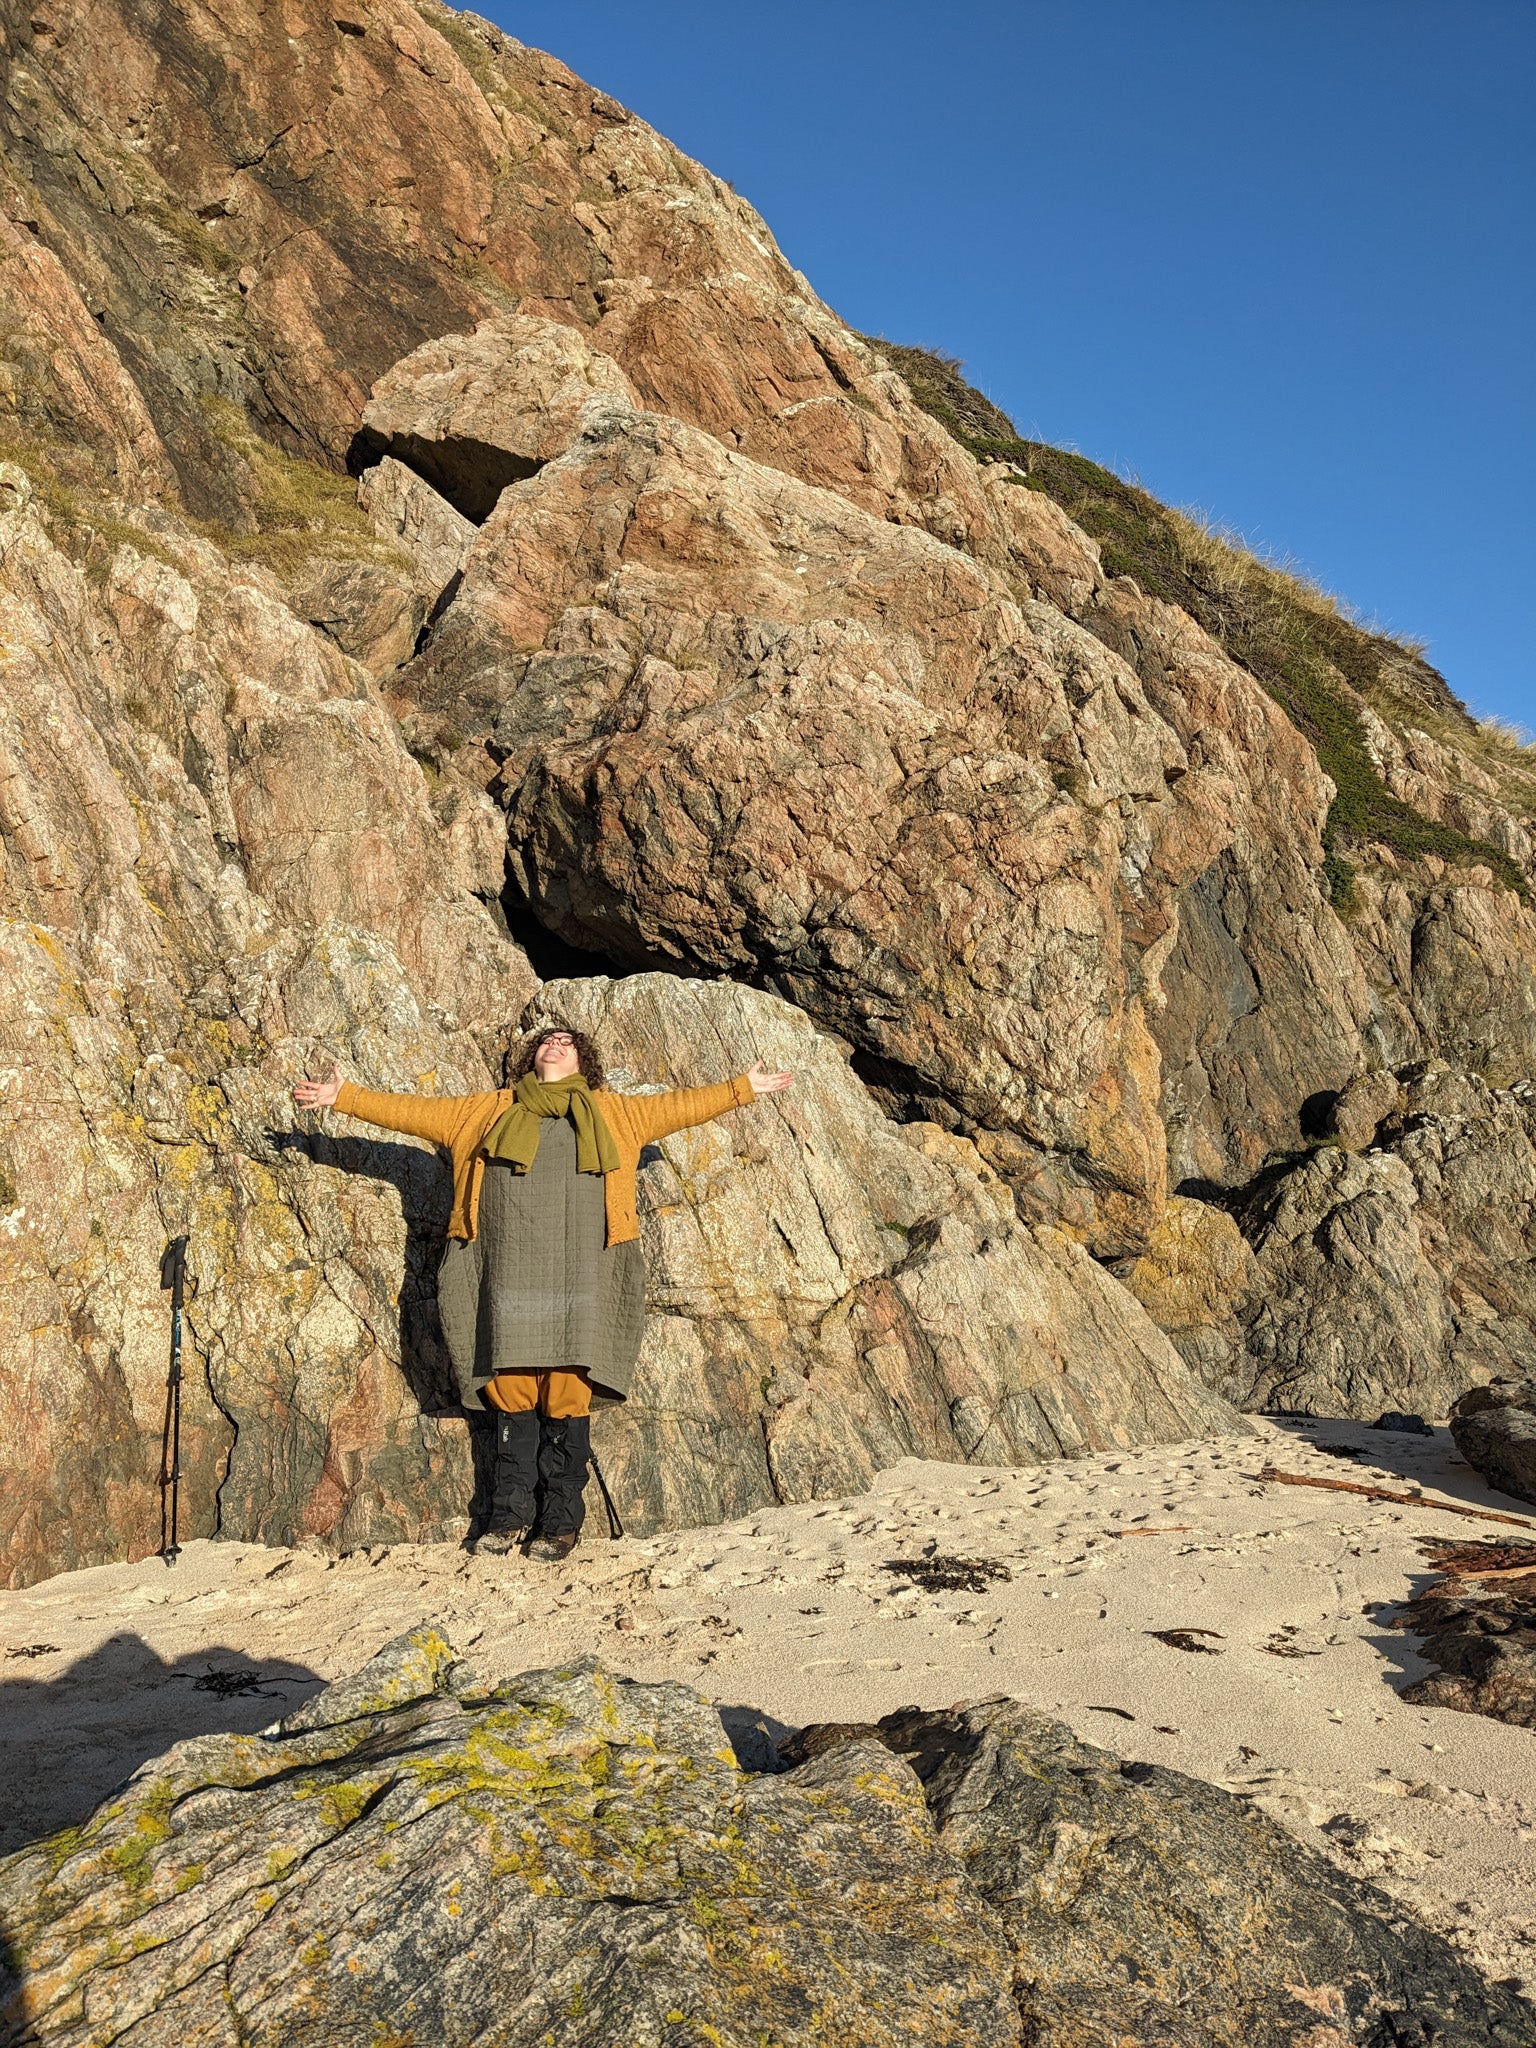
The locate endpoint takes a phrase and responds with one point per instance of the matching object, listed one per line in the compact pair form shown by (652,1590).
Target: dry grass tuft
(1503,736)
(304,513)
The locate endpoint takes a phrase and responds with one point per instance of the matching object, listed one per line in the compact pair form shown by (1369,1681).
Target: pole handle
(173,1270)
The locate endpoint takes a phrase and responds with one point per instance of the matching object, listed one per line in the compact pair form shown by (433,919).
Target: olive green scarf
(515,1136)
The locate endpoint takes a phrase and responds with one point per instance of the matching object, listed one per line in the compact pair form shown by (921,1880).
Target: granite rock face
(431,536)
(1400,1276)
(221,865)
(445,545)
(572,1857)
(1494,1428)
(473,413)
(575,1858)
(770,735)
(277,209)
(1144,1906)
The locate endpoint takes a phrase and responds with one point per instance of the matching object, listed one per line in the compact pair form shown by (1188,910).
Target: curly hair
(588,1058)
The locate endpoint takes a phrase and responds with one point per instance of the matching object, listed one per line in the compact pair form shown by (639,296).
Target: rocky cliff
(455,571)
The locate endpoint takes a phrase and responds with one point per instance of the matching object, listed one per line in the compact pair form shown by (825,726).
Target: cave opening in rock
(903,1094)
(551,957)
(1313,1115)
(470,474)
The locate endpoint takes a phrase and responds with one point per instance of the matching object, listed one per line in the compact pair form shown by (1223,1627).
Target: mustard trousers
(559,1395)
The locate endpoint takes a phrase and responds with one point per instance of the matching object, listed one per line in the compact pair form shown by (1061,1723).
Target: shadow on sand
(1406,1463)
(69,1738)
(1387,1458)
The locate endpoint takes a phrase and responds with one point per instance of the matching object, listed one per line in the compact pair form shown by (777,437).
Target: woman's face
(555,1058)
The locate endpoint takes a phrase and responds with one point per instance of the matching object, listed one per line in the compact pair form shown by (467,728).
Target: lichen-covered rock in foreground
(572,1860)
(1146,1909)
(569,1859)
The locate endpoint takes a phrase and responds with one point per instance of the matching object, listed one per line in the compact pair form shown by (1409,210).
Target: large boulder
(1143,1906)
(769,735)
(1354,1118)
(1399,1276)
(1494,1428)
(369,612)
(569,1857)
(574,1857)
(1194,1277)
(405,511)
(472,413)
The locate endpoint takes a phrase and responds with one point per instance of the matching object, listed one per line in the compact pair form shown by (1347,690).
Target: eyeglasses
(556,1038)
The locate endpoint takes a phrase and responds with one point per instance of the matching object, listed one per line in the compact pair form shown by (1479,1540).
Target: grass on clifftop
(1288,634)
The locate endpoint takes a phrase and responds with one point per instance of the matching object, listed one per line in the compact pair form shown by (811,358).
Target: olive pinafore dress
(537,1288)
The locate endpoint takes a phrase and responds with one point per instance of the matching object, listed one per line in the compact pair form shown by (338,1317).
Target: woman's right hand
(319,1094)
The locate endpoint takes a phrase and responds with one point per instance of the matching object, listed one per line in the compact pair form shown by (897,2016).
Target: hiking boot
(554,1549)
(500,1536)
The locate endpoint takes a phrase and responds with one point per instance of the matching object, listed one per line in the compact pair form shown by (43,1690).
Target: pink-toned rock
(1354,1118)
(406,512)
(367,611)
(316,203)
(832,1292)
(63,387)
(1059,561)
(220,866)
(518,386)
(770,735)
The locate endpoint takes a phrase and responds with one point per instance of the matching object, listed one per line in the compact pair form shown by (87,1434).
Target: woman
(542,1286)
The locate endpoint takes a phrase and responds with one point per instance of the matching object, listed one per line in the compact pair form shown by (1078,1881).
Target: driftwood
(1411,1500)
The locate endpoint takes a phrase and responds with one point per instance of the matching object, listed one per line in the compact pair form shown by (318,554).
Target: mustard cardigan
(461,1123)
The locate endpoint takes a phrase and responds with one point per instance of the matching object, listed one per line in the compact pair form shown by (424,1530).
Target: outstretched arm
(433,1117)
(681,1107)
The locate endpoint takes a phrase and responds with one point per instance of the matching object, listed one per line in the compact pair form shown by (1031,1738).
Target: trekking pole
(173,1275)
(615,1526)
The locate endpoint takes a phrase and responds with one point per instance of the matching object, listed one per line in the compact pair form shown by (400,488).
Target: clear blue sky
(1272,260)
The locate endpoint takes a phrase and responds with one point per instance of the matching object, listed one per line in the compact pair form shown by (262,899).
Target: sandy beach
(1287,1691)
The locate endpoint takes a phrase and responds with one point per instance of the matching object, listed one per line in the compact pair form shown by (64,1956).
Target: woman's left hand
(764,1083)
